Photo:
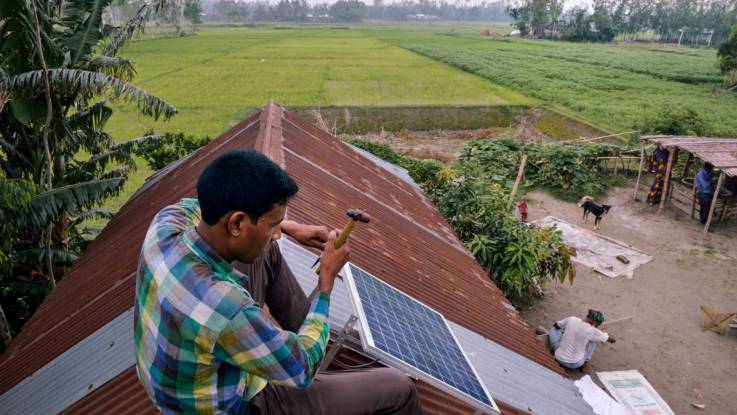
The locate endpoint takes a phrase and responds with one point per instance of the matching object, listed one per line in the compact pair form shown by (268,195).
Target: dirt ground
(664,341)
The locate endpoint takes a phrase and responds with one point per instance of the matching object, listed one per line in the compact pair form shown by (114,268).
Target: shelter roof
(720,152)
(408,244)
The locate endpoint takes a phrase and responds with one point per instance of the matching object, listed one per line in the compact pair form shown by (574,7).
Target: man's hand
(331,262)
(308,235)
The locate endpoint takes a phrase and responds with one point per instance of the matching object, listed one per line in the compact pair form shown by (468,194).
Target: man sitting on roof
(203,343)
(574,340)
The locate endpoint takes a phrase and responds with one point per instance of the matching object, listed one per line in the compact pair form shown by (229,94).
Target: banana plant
(60,71)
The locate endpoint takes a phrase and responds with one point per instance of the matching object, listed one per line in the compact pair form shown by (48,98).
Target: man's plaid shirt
(202,343)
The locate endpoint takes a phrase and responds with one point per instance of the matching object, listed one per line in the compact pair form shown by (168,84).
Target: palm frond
(95,213)
(92,83)
(10,150)
(93,117)
(83,22)
(71,199)
(125,33)
(122,171)
(114,66)
(36,256)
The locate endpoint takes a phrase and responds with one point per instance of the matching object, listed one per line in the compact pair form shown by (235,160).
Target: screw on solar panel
(406,334)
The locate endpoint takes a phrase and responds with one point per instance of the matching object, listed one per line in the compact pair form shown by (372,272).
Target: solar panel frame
(369,345)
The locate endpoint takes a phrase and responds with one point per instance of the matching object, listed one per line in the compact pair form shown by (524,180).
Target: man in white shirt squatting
(574,340)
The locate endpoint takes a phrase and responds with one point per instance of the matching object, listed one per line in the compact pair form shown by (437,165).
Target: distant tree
(228,9)
(292,10)
(348,11)
(193,11)
(674,121)
(603,21)
(534,17)
(521,18)
(579,25)
(728,56)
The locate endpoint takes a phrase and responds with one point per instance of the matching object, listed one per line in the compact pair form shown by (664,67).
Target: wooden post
(714,202)
(689,159)
(666,183)
(639,172)
(616,167)
(693,195)
(520,173)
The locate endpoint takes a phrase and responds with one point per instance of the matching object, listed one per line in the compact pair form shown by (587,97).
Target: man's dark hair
(245,181)
(708,166)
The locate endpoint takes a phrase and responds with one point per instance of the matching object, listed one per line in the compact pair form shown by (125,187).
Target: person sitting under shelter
(704,191)
(574,340)
(207,267)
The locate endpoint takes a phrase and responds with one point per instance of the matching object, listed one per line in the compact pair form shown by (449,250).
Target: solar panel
(401,330)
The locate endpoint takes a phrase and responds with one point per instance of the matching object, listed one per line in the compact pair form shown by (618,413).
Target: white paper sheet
(634,393)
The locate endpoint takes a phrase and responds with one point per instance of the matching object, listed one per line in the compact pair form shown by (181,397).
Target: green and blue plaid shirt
(202,343)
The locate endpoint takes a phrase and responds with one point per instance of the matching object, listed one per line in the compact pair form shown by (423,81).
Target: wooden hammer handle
(344,234)
(341,239)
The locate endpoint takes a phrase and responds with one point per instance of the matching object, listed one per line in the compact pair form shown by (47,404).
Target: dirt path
(664,341)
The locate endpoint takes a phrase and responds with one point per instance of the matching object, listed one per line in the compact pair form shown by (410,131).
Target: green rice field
(609,85)
(220,75)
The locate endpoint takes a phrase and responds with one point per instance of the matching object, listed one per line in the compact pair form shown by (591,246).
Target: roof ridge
(270,138)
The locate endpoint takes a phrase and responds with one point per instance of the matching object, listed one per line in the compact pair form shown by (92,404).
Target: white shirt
(576,335)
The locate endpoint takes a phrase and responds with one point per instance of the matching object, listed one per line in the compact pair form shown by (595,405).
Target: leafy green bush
(568,171)
(421,171)
(159,153)
(675,121)
(518,258)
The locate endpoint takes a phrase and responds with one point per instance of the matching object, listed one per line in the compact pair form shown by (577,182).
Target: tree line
(702,22)
(354,11)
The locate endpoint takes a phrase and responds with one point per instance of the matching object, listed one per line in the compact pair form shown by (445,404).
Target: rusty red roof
(409,244)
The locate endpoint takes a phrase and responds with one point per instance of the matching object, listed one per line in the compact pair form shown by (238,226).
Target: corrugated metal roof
(518,381)
(408,244)
(721,152)
(76,372)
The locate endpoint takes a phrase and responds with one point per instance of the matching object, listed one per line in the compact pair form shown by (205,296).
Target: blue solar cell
(415,334)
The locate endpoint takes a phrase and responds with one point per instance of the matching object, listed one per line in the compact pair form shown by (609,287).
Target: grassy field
(219,76)
(612,86)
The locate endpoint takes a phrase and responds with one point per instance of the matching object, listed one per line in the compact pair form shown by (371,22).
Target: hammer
(354,215)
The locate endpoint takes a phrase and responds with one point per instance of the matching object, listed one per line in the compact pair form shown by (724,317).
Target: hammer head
(358,215)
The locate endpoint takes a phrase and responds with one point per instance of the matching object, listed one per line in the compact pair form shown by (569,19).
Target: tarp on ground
(634,393)
(601,403)
(597,251)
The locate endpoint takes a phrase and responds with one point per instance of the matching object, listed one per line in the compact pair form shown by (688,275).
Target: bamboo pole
(639,172)
(714,202)
(666,183)
(689,159)
(520,173)
(616,167)
(693,195)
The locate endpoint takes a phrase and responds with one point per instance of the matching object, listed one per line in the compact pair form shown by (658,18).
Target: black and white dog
(589,206)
